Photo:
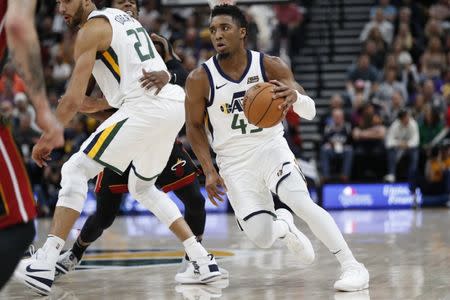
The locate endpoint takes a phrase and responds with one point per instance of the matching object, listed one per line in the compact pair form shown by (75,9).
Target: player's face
(225,34)
(72,11)
(128,6)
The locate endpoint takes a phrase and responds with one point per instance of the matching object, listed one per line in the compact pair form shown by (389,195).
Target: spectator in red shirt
(10,75)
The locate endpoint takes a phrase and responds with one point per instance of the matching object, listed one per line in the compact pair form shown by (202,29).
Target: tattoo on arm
(30,70)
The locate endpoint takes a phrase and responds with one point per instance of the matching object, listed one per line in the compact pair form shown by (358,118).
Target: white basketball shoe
(65,264)
(295,240)
(36,272)
(202,270)
(184,266)
(354,277)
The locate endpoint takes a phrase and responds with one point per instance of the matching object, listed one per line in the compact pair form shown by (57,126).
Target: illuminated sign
(396,195)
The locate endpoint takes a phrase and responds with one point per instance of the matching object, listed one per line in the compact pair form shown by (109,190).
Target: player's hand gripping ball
(259,107)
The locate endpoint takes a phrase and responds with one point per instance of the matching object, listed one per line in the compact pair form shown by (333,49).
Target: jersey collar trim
(219,69)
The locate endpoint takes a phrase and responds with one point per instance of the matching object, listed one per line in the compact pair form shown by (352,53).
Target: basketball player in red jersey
(254,162)
(17,209)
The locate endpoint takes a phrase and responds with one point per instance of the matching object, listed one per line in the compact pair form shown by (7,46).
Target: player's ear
(243,33)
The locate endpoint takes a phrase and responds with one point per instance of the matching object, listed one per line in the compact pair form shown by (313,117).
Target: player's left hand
(215,187)
(41,151)
(283,91)
(156,79)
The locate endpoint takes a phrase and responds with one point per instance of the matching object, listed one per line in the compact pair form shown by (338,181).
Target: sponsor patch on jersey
(103,259)
(122,19)
(253,79)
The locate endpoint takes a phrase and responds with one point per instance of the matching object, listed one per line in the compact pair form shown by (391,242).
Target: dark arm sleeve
(177,72)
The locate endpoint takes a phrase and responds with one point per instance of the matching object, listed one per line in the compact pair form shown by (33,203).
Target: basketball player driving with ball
(254,162)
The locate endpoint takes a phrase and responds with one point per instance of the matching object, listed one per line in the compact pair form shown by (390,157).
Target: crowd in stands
(274,29)
(392,121)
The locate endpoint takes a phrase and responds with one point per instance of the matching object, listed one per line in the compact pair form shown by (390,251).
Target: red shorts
(17,203)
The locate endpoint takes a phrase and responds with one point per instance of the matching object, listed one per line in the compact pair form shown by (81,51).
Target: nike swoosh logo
(221,86)
(29,269)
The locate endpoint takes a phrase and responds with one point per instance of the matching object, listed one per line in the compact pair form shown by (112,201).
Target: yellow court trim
(111,61)
(101,140)
(146,254)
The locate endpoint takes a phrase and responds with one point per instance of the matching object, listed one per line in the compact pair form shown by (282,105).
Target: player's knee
(74,178)
(261,239)
(259,230)
(105,221)
(195,204)
(192,198)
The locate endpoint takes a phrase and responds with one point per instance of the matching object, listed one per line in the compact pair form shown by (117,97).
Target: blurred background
(379,72)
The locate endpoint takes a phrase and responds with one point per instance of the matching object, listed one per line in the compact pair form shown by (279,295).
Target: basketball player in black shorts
(179,175)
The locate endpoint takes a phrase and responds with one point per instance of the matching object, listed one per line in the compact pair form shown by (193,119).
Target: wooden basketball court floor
(407,253)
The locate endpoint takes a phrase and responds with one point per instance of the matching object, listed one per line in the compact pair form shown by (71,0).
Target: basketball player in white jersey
(253,161)
(114,47)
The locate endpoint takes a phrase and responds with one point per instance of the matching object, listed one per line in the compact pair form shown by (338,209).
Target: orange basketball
(259,107)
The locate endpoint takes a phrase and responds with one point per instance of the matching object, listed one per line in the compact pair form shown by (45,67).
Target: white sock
(194,249)
(344,256)
(53,247)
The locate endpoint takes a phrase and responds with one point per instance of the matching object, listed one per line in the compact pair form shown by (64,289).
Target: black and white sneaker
(185,263)
(201,270)
(36,272)
(66,263)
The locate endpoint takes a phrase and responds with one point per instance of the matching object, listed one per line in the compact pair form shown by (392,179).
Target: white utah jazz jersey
(118,69)
(230,133)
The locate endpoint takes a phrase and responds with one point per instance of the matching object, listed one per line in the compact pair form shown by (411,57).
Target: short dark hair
(230,10)
(403,113)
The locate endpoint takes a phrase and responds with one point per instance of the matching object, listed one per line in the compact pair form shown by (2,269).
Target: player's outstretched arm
(197,89)
(25,51)
(94,36)
(281,75)
(26,56)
